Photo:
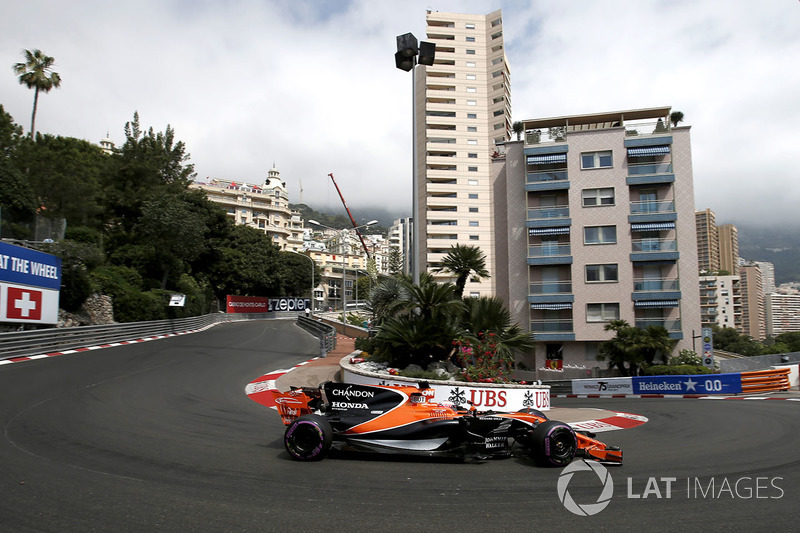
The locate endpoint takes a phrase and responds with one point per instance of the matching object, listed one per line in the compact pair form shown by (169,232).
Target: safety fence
(51,340)
(325,332)
(773,380)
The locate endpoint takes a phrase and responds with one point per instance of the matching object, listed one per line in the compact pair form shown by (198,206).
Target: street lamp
(312,275)
(408,56)
(342,232)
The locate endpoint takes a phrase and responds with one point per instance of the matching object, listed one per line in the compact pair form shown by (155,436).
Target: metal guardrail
(45,341)
(325,332)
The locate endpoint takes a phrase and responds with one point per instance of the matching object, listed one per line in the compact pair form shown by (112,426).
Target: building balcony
(654,250)
(552,330)
(558,214)
(550,292)
(550,254)
(548,180)
(652,211)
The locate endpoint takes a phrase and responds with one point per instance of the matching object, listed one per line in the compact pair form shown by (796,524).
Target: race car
(403,419)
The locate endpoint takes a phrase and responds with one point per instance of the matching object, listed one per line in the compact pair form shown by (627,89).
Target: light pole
(408,56)
(313,265)
(342,232)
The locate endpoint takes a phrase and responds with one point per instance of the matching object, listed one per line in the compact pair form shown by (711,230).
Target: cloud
(311,85)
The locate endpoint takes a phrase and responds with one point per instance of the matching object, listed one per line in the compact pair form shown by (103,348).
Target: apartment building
(400,235)
(728,236)
(465,99)
(594,222)
(264,207)
(783,313)
(707,241)
(721,302)
(754,314)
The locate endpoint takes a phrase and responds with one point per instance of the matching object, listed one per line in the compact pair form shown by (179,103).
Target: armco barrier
(44,341)
(765,380)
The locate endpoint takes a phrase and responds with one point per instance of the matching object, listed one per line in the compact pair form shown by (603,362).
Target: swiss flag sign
(24,304)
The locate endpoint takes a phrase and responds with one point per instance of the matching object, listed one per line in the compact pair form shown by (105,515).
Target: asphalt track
(160,436)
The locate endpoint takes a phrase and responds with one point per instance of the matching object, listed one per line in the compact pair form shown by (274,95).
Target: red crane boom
(355,226)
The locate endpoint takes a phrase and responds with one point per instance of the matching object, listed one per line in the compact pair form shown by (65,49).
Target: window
(472,77)
(472,169)
(596,159)
(600,234)
(472,102)
(473,237)
(472,89)
(470,26)
(473,196)
(473,223)
(595,197)
(470,39)
(470,63)
(472,129)
(473,209)
(602,312)
(472,141)
(601,273)
(472,182)
(474,295)
(472,115)
(471,52)
(472,156)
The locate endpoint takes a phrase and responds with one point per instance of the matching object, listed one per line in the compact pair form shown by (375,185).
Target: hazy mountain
(777,245)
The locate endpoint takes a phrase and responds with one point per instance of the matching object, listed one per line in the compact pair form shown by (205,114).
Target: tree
(463,261)
(656,342)
(622,348)
(65,175)
(395,261)
(675,118)
(35,72)
(518,128)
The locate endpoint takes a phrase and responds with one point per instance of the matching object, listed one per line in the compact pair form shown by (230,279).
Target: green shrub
(137,306)
(115,281)
(419,374)
(676,370)
(365,344)
(685,357)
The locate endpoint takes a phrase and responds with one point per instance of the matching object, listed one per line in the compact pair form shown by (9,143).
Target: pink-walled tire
(308,438)
(554,443)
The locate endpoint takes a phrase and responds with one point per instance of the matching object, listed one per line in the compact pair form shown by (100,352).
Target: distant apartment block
(263,207)
(721,302)
(595,222)
(400,234)
(754,316)
(707,241)
(728,248)
(783,313)
(464,110)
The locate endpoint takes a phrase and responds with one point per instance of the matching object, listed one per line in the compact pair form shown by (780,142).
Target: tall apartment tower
(595,222)
(707,241)
(728,248)
(465,98)
(754,319)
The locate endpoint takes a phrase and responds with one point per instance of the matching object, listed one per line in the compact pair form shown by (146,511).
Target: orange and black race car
(402,419)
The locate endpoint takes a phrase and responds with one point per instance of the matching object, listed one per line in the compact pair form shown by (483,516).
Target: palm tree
(463,261)
(656,342)
(36,74)
(518,128)
(675,117)
(489,314)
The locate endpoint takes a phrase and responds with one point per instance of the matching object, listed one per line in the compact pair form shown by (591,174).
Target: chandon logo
(351,393)
(587,509)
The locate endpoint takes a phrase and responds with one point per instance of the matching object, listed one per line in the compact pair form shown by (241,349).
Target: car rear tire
(308,438)
(554,443)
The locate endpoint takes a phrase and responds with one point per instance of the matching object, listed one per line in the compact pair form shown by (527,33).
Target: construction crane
(355,226)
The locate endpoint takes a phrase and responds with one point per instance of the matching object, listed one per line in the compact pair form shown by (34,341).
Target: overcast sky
(311,85)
